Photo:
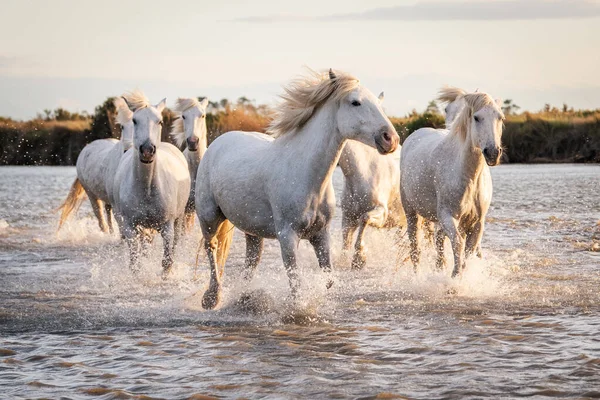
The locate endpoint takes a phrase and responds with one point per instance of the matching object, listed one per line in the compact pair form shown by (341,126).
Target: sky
(75,53)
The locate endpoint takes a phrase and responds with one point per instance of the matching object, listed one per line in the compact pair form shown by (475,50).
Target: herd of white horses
(279,186)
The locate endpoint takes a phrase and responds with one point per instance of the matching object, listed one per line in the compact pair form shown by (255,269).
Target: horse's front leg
(108,212)
(321,242)
(254,249)
(440,237)
(376,217)
(473,244)
(288,241)
(132,237)
(167,231)
(450,226)
(412,228)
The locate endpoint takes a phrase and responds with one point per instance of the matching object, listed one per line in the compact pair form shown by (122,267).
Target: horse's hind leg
(109,219)
(98,207)
(376,218)
(412,228)
(440,237)
(348,228)
(167,232)
(254,249)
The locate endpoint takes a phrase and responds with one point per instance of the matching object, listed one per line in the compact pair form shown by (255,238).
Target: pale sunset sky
(75,53)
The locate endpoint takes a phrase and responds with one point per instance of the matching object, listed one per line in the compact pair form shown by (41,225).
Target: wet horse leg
(473,241)
(288,241)
(322,246)
(376,218)
(412,228)
(254,249)
(450,226)
(97,207)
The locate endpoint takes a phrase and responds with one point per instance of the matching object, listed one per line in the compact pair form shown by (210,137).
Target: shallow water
(524,321)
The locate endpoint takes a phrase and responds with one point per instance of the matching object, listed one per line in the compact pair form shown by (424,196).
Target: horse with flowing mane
(371,195)
(279,186)
(152,183)
(445,177)
(96,167)
(190,128)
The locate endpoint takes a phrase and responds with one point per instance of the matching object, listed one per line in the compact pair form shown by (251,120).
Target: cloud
(457,11)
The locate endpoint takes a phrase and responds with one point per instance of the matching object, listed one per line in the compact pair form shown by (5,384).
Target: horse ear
(126,103)
(381,97)
(161,106)
(204,102)
(499,102)
(332,74)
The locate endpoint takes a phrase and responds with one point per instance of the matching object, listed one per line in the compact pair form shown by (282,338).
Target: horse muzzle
(492,155)
(387,141)
(147,152)
(192,143)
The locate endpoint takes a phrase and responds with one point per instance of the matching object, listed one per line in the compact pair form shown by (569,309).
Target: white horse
(281,188)
(371,194)
(445,178)
(96,167)
(152,184)
(113,158)
(190,128)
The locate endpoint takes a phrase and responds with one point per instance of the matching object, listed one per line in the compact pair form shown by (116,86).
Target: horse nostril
(386,136)
(486,152)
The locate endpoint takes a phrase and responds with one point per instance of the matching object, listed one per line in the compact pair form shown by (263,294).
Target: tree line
(57,136)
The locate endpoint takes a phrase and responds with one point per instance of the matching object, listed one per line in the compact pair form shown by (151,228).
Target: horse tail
(224,239)
(72,202)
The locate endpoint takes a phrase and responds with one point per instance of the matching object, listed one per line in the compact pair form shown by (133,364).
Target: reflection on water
(523,321)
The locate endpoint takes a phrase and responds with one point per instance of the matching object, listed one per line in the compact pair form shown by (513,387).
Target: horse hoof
(210,300)
(166,273)
(358,262)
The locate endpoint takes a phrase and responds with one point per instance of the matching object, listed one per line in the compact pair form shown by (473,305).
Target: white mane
(124,114)
(449,94)
(304,95)
(136,100)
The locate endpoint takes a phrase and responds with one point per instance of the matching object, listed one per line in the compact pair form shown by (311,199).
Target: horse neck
(316,149)
(145,174)
(471,159)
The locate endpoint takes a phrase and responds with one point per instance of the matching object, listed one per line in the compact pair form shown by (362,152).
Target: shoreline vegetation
(56,137)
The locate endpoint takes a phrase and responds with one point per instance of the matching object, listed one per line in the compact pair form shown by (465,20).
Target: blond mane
(449,94)
(124,114)
(473,103)
(136,100)
(303,96)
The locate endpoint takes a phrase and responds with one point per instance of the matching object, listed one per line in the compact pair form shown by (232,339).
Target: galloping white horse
(96,168)
(152,183)
(371,194)
(190,127)
(113,158)
(281,188)
(445,179)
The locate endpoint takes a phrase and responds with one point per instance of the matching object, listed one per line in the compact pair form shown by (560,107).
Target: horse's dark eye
(476,118)
(356,103)
(183,117)
(134,122)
